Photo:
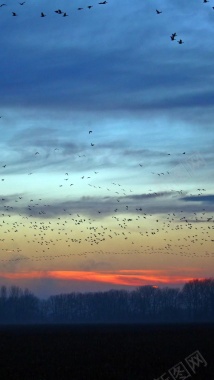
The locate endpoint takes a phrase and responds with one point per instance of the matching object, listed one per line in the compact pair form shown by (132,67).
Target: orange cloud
(119,277)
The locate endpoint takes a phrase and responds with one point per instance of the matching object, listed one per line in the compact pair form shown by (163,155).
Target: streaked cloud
(121,277)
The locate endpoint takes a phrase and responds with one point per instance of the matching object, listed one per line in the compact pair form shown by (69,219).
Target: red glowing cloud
(117,277)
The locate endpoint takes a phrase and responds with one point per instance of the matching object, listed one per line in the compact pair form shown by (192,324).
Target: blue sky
(112,70)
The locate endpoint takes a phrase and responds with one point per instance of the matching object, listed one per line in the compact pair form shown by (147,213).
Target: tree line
(145,304)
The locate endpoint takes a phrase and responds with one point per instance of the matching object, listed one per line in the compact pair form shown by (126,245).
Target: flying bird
(158,12)
(173,36)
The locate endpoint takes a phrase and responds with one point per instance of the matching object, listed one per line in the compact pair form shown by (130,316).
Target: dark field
(103,351)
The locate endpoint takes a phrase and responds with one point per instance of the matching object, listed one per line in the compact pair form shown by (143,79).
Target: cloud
(132,67)
(101,207)
(119,277)
(202,198)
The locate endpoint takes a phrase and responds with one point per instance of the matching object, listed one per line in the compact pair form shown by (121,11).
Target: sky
(106,167)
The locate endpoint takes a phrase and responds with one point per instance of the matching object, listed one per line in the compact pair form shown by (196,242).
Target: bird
(22,3)
(180,42)
(42,14)
(158,12)
(2,5)
(173,36)
(64,14)
(14,14)
(103,2)
(58,11)
(90,6)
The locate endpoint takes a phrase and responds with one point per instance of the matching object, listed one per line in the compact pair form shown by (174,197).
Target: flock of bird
(58,11)
(53,232)
(65,14)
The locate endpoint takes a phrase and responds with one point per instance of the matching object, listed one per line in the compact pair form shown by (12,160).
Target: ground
(99,352)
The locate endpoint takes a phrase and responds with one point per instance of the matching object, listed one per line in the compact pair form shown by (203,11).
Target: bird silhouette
(173,36)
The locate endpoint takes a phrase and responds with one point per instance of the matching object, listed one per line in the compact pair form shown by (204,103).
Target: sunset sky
(107,144)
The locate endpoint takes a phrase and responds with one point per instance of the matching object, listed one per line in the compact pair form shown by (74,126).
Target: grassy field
(80,352)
